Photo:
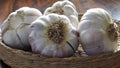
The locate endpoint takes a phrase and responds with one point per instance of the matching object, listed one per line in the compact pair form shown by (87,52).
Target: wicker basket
(21,59)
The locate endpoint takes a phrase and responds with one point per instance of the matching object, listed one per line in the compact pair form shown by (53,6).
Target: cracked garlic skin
(15,29)
(66,8)
(93,32)
(53,36)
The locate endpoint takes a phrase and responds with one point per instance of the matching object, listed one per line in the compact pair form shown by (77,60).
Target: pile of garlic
(58,32)
(55,34)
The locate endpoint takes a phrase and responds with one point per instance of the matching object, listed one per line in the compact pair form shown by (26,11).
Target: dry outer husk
(21,59)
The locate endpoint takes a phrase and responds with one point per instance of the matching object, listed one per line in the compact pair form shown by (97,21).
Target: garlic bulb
(97,32)
(15,29)
(53,36)
(66,8)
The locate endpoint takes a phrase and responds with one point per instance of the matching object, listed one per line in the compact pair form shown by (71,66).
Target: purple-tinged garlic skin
(66,8)
(93,32)
(15,29)
(53,36)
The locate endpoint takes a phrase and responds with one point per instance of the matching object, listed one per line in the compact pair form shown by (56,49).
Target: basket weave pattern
(20,59)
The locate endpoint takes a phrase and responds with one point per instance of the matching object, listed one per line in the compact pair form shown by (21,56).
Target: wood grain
(112,6)
(8,6)
(5,8)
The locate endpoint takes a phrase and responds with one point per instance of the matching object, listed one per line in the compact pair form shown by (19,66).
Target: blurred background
(8,6)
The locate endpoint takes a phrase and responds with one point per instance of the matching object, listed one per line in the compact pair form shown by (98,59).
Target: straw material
(21,59)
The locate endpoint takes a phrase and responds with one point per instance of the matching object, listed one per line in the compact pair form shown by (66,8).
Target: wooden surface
(8,6)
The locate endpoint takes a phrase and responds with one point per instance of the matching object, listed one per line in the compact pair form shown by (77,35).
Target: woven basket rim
(30,55)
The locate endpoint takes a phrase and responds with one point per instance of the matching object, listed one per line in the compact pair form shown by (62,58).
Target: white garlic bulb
(15,29)
(95,32)
(53,36)
(66,8)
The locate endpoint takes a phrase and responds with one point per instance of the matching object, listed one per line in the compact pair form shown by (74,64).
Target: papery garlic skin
(66,8)
(15,29)
(93,31)
(51,34)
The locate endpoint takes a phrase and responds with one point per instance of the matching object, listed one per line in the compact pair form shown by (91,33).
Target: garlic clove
(70,10)
(74,20)
(12,21)
(102,15)
(11,34)
(87,24)
(99,43)
(23,35)
(37,45)
(92,41)
(52,50)
(29,14)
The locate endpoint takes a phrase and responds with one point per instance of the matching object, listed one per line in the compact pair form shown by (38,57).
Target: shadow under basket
(22,59)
